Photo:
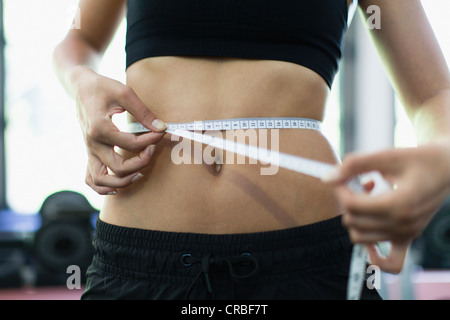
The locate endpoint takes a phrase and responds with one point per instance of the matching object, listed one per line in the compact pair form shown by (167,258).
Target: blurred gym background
(47,213)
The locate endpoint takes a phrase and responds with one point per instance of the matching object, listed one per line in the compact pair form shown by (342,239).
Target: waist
(193,197)
(183,192)
(150,240)
(184,89)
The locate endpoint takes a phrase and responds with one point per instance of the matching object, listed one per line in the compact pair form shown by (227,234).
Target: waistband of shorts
(306,235)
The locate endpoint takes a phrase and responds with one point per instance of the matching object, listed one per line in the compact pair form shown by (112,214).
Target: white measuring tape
(305,166)
(235,124)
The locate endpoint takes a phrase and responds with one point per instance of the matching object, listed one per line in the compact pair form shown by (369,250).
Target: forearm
(71,55)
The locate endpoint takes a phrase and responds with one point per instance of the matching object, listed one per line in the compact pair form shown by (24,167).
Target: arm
(421,175)
(415,64)
(85,47)
(98,98)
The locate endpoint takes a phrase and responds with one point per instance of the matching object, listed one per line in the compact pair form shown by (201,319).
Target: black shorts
(307,262)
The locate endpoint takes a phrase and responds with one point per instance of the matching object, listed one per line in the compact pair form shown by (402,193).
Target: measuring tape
(302,165)
(236,124)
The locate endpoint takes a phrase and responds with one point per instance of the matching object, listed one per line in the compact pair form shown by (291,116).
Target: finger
(135,143)
(127,166)
(100,190)
(105,132)
(131,102)
(123,166)
(365,223)
(357,164)
(393,263)
(363,203)
(357,236)
(365,228)
(102,178)
(395,212)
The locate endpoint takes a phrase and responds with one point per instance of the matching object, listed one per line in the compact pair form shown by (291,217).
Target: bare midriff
(239,198)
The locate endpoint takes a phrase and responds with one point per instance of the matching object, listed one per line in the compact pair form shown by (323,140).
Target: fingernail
(331,175)
(150,150)
(158,124)
(137,177)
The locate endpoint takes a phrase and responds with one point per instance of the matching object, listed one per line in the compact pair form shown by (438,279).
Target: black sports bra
(306,32)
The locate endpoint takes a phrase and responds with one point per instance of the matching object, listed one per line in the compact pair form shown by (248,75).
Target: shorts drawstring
(211,260)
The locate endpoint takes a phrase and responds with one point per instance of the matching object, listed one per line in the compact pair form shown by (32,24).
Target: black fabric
(305,32)
(307,262)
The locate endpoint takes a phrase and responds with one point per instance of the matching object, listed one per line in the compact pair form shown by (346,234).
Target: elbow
(439,97)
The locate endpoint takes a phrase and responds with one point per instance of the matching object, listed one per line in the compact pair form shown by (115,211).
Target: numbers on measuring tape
(237,124)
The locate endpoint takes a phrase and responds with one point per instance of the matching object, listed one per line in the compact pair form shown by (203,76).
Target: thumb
(356,164)
(131,102)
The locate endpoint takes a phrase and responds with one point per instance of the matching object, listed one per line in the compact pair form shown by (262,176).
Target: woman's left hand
(420,180)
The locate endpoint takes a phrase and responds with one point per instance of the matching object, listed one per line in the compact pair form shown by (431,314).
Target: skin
(148,191)
(420,175)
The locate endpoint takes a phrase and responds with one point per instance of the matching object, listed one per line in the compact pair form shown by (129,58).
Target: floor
(45,293)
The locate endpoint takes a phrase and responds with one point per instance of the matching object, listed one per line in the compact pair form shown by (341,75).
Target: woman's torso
(238,199)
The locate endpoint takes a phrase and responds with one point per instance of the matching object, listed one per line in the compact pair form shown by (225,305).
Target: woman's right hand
(98,98)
